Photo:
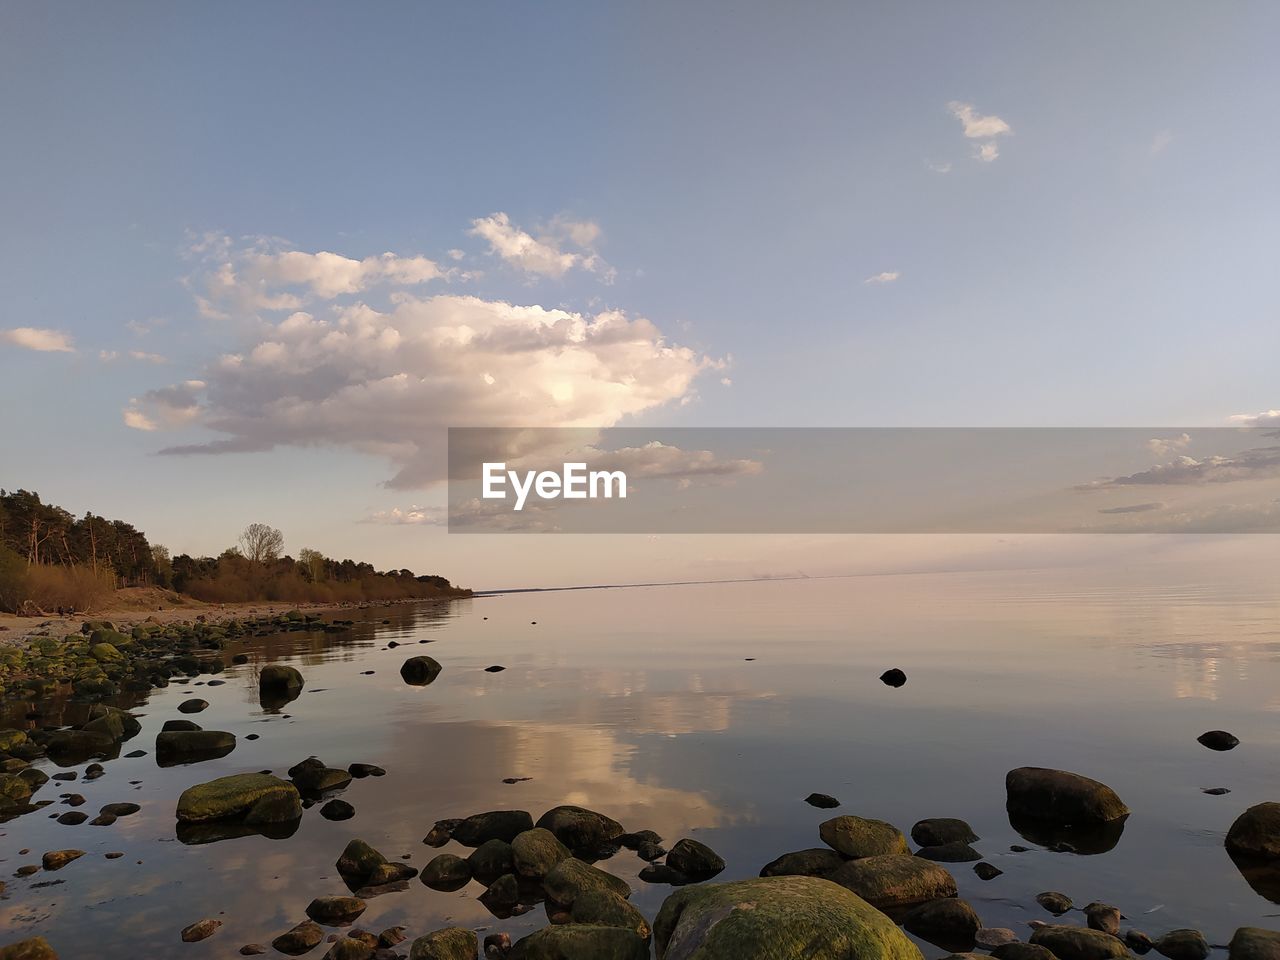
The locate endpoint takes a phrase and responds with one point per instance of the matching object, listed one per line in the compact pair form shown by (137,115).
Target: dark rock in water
(361,770)
(1022,951)
(349,948)
(496,946)
(535,852)
(948,923)
(193,706)
(860,837)
(893,678)
(302,938)
(252,950)
(494,669)
(1256,832)
(451,943)
(493,825)
(1085,838)
(1078,943)
(1216,791)
(1218,740)
(651,851)
(192,746)
(1056,903)
(988,938)
(895,880)
(1104,917)
(240,658)
(568,879)
(361,867)
(279,676)
(603,908)
(446,873)
(510,780)
(815,862)
(102,820)
(1060,797)
(822,801)
(257,797)
(441,833)
(57,859)
(986,871)
(33,948)
(337,810)
(580,940)
(955,852)
(172,726)
(580,829)
(135,754)
(695,860)
(939,830)
(1137,941)
(633,841)
(1183,945)
(661,873)
(335,911)
(491,860)
(392,936)
(313,777)
(200,930)
(502,894)
(1255,943)
(775,918)
(73,818)
(69,775)
(420,671)
(73,799)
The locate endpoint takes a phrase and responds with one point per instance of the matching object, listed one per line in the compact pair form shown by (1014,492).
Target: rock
(494,669)
(193,706)
(420,671)
(73,818)
(362,770)
(278,677)
(441,833)
(451,943)
(603,908)
(495,825)
(1183,945)
(1078,943)
(1056,903)
(948,923)
(1218,740)
(695,860)
(57,859)
(1057,796)
(895,880)
(348,948)
(988,938)
(1023,951)
(580,829)
(302,938)
(857,837)
(633,841)
(776,918)
(447,873)
(179,726)
(252,950)
(360,865)
(392,936)
(497,945)
(192,746)
(580,942)
(536,851)
(570,878)
(1216,791)
(120,809)
(1139,942)
(258,797)
(941,830)
(200,930)
(491,860)
(651,851)
(815,862)
(33,948)
(987,871)
(313,777)
(335,911)
(1256,832)
(1104,917)
(893,678)
(661,873)
(102,820)
(337,810)
(822,801)
(950,853)
(1255,943)
(502,895)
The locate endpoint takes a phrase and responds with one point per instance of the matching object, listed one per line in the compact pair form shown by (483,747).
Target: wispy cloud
(1163,446)
(544,255)
(888,276)
(39,339)
(984,128)
(410,516)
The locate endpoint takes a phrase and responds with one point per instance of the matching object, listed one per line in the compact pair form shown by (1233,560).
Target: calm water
(641,703)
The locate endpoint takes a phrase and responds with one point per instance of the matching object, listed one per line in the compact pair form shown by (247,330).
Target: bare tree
(261,543)
(312,561)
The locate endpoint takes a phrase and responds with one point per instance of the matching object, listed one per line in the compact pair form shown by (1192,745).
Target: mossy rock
(277,676)
(571,878)
(1256,832)
(10,739)
(895,881)
(857,837)
(607,909)
(1254,943)
(451,943)
(420,671)
(579,828)
(1079,943)
(253,795)
(536,852)
(33,948)
(577,942)
(776,918)
(1061,797)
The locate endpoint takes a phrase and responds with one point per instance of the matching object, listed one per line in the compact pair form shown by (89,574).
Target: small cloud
(1163,447)
(1160,141)
(726,382)
(1267,418)
(888,276)
(106,356)
(987,152)
(39,339)
(1134,508)
(939,166)
(147,357)
(544,255)
(168,407)
(413,516)
(456,254)
(980,127)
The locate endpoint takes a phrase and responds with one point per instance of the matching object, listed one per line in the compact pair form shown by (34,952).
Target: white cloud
(1267,418)
(938,166)
(148,357)
(888,276)
(412,516)
(544,255)
(984,128)
(40,339)
(987,152)
(166,408)
(1164,446)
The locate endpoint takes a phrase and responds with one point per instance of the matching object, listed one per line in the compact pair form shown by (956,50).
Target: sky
(256,259)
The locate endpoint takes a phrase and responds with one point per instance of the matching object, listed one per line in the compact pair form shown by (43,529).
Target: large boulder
(580,829)
(857,837)
(815,862)
(311,776)
(948,923)
(446,873)
(569,879)
(361,866)
(603,908)
(192,746)
(277,677)
(937,831)
(1256,832)
(1057,796)
(258,797)
(451,943)
(420,671)
(300,939)
(503,825)
(335,911)
(776,918)
(536,851)
(695,860)
(576,941)
(1079,943)
(1254,943)
(895,881)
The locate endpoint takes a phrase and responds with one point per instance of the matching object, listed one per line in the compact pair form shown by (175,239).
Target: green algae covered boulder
(1079,943)
(33,948)
(776,918)
(894,881)
(259,797)
(451,943)
(575,941)
(860,837)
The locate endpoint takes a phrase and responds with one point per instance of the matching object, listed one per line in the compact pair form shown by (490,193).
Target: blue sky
(748,168)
